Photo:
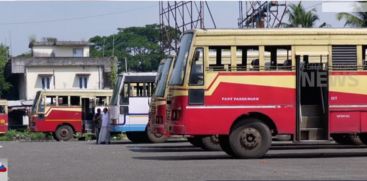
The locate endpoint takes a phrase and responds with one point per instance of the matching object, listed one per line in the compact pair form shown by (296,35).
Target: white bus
(129,107)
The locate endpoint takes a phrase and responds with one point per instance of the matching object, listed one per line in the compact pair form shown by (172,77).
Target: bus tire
(154,138)
(195,141)
(210,143)
(224,144)
(137,137)
(347,139)
(250,139)
(64,133)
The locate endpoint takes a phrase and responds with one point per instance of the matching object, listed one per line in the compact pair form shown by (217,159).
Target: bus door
(138,105)
(312,97)
(87,114)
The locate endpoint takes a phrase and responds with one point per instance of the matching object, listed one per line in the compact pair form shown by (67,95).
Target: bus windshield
(180,65)
(116,91)
(162,81)
(34,107)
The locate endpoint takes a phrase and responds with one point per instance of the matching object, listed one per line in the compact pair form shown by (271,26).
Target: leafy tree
(4,85)
(141,46)
(299,16)
(358,19)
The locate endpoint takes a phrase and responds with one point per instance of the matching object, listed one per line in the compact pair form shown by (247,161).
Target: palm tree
(300,17)
(358,19)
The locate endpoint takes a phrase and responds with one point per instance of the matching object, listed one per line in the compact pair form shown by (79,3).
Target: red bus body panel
(57,116)
(230,101)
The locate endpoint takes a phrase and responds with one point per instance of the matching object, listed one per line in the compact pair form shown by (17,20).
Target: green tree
(299,16)
(358,19)
(4,57)
(141,46)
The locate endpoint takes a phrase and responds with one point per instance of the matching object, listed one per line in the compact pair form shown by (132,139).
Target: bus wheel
(210,143)
(347,139)
(250,139)
(137,137)
(64,133)
(195,141)
(224,144)
(155,138)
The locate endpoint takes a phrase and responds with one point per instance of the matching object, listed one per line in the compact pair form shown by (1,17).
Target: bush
(26,135)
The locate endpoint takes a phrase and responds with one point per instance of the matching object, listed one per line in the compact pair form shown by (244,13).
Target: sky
(19,21)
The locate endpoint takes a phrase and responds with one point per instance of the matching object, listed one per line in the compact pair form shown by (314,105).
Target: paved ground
(40,161)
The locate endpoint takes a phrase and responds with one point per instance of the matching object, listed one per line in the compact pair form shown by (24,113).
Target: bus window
(197,68)
(41,105)
(50,100)
(63,101)
(2,109)
(344,57)
(246,57)
(277,57)
(219,58)
(74,100)
(101,101)
(125,93)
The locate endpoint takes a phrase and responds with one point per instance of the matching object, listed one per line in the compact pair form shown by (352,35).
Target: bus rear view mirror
(41,116)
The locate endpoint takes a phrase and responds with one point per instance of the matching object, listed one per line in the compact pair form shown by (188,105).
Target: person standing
(104,135)
(97,119)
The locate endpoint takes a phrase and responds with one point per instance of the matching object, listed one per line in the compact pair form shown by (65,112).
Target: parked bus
(129,108)
(309,84)
(3,116)
(66,112)
(157,111)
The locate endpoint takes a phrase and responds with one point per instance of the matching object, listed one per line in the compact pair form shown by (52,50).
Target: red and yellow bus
(308,84)
(3,116)
(66,112)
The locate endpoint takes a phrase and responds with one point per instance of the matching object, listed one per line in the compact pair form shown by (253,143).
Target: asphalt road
(54,161)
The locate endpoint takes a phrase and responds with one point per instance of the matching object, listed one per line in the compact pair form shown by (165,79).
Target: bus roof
(282,31)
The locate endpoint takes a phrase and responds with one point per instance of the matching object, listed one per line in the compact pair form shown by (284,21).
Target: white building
(61,65)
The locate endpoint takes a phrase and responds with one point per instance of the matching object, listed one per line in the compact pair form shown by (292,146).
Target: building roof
(55,42)
(19,64)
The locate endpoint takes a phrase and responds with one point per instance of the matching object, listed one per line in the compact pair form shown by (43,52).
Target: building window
(46,82)
(83,82)
(77,52)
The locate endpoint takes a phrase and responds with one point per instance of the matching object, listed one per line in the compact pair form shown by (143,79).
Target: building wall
(59,51)
(62,78)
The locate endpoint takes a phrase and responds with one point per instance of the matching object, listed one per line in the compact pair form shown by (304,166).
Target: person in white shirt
(104,134)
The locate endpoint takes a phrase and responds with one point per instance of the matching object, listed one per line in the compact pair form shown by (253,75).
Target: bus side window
(2,109)
(50,100)
(63,101)
(74,100)
(219,58)
(277,57)
(41,105)
(197,68)
(247,58)
(125,94)
(101,101)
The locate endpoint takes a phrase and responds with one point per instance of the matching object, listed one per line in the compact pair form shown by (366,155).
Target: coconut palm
(300,17)
(357,19)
